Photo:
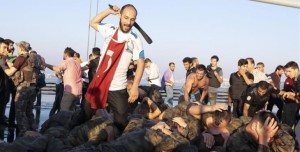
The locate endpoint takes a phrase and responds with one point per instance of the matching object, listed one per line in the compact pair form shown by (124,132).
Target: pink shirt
(72,76)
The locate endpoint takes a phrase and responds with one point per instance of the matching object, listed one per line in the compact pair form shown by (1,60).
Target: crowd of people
(116,113)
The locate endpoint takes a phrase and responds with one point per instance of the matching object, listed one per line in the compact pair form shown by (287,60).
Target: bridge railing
(222,95)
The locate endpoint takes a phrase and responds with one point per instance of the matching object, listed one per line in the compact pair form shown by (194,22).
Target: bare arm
(10,71)
(99,17)
(188,87)
(154,110)
(246,109)
(51,67)
(134,93)
(205,90)
(219,78)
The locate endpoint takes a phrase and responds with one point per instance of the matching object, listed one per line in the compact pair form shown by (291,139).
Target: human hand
(208,139)
(160,125)
(133,94)
(216,73)
(219,106)
(267,131)
(115,10)
(179,121)
(288,95)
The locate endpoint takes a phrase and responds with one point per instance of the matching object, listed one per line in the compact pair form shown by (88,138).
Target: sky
(229,29)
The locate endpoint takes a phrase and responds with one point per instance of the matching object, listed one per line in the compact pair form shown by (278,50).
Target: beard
(122,27)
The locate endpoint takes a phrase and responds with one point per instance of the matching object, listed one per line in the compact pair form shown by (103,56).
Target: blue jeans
(169,97)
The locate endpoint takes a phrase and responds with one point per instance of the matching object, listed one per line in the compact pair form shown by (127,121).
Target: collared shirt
(72,76)
(260,76)
(153,74)
(168,76)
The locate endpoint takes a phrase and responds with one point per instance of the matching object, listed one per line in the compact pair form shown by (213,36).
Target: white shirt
(153,74)
(260,76)
(133,51)
(85,77)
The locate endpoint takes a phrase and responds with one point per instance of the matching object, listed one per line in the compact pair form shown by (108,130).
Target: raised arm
(99,17)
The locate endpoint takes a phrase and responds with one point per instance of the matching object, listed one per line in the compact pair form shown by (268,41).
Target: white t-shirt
(133,51)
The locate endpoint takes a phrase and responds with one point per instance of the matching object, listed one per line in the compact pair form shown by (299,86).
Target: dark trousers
(58,96)
(290,113)
(68,101)
(237,108)
(38,97)
(118,103)
(275,100)
(84,90)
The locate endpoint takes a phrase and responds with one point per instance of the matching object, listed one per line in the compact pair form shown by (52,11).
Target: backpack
(41,79)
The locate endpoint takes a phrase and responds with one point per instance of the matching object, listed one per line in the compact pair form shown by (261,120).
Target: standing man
(26,87)
(258,75)
(275,99)
(292,72)
(215,75)
(152,72)
(93,64)
(167,83)
(72,80)
(121,45)
(11,87)
(3,77)
(195,82)
(239,82)
(188,65)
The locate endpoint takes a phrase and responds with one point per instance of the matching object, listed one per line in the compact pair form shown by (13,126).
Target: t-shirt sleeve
(220,73)
(138,50)
(249,97)
(106,30)
(20,60)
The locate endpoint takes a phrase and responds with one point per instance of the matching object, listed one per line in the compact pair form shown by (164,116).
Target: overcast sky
(230,29)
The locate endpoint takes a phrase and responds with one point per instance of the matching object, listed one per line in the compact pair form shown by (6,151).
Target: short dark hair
(215,57)
(78,55)
(251,60)
(96,51)
(69,51)
(263,84)
(292,64)
(262,116)
(279,67)
(9,41)
(187,59)
(128,5)
(242,62)
(3,41)
(201,67)
(171,63)
(219,116)
(147,60)
(260,63)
